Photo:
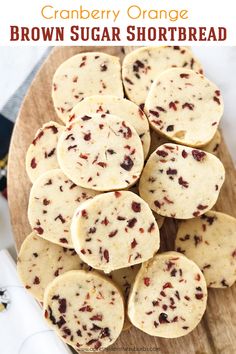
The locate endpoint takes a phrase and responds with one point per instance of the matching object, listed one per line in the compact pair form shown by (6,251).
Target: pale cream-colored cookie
(126,110)
(115,230)
(83,75)
(52,202)
(41,155)
(169,296)
(181,182)
(210,241)
(101,152)
(184,106)
(141,67)
(40,261)
(85,309)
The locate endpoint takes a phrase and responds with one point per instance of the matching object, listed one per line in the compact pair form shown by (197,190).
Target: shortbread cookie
(41,154)
(214,144)
(124,279)
(184,106)
(84,75)
(120,107)
(85,309)
(210,241)
(52,202)
(169,296)
(101,152)
(181,182)
(141,67)
(157,139)
(40,261)
(115,230)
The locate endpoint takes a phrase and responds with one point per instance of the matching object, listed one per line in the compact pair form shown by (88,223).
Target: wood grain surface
(217,331)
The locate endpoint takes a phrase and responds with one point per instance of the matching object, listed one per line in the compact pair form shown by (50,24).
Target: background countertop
(219,64)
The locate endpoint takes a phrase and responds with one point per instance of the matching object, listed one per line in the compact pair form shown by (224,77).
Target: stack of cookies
(102,183)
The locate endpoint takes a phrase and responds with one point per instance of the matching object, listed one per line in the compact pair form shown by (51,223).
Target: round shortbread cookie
(101,152)
(84,75)
(126,110)
(214,144)
(141,67)
(210,241)
(115,230)
(169,296)
(157,139)
(52,202)
(181,182)
(85,309)
(41,154)
(124,279)
(40,261)
(184,106)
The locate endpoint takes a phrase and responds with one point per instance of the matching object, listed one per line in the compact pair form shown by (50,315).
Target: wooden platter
(217,331)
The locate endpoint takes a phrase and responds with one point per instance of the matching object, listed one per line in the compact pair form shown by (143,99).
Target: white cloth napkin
(22,327)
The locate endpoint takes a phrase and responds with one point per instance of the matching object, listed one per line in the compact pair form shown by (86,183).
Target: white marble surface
(219,64)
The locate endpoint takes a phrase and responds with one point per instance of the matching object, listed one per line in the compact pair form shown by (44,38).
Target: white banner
(124,22)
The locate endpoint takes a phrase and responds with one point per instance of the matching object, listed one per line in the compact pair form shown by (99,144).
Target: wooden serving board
(217,331)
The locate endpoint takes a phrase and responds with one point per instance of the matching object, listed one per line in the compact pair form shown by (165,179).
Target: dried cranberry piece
(36,280)
(136,207)
(87,136)
(131,222)
(163,318)
(171,171)
(198,155)
(62,305)
(182,182)
(103,67)
(170,128)
(127,164)
(162,153)
(33,163)
(173,105)
(106,255)
(184,154)
(86,118)
(134,243)
(39,230)
(112,233)
(184,76)
(146,281)
(190,106)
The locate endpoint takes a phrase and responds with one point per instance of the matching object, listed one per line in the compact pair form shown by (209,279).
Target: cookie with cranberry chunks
(169,296)
(40,261)
(85,309)
(84,75)
(52,202)
(210,241)
(184,106)
(141,67)
(101,152)
(41,155)
(123,108)
(115,230)
(181,182)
